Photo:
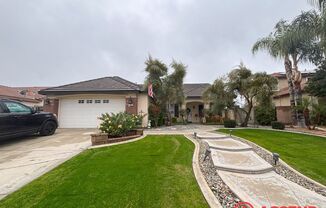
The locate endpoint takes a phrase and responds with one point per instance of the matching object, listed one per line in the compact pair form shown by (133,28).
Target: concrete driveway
(24,159)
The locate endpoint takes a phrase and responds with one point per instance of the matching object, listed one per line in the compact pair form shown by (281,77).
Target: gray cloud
(51,43)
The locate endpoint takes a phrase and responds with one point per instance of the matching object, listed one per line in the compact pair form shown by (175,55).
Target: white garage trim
(83,111)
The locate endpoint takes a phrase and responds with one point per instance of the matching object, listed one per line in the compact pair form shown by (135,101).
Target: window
(106,101)
(17,107)
(1,110)
(80,101)
(276,87)
(89,101)
(97,101)
(176,110)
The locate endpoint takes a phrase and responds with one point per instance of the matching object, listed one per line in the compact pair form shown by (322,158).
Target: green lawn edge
(153,172)
(305,153)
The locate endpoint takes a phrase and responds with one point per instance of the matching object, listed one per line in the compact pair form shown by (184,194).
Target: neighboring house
(281,97)
(79,105)
(27,95)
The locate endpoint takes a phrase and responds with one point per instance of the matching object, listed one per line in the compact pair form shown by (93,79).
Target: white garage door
(84,113)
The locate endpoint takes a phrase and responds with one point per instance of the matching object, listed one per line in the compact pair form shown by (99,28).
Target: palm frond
(321,4)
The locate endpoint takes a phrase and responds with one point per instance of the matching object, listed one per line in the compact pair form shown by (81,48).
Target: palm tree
(321,4)
(317,27)
(280,44)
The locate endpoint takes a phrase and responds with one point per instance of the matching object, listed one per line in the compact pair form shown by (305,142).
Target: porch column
(206,106)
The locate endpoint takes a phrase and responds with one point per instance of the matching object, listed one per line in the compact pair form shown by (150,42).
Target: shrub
(278,125)
(118,124)
(153,114)
(215,119)
(230,123)
(160,121)
(174,120)
(265,115)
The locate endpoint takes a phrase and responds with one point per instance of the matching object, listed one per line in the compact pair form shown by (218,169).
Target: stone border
(282,162)
(205,189)
(222,192)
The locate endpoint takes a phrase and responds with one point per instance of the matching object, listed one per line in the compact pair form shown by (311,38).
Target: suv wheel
(48,128)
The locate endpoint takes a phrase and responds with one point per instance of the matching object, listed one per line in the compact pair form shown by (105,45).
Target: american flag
(150,90)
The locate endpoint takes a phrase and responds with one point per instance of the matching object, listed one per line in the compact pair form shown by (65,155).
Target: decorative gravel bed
(283,170)
(221,191)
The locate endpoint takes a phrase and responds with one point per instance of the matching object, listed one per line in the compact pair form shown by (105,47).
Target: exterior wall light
(276,157)
(207,153)
(195,135)
(130,102)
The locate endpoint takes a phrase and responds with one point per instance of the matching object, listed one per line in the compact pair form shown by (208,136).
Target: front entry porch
(191,111)
(194,112)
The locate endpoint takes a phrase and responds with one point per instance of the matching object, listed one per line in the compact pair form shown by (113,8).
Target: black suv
(17,119)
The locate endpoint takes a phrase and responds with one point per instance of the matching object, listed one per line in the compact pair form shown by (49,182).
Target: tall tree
(283,43)
(317,84)
(321,4)
(156,70)
(167,88)
(220,95)
(250,86)
(173,86)
(316,27)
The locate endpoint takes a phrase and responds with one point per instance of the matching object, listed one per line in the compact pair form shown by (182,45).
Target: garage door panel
(85,115)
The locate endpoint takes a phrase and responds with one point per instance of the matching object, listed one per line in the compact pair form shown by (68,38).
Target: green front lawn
(305,153)
(153,172)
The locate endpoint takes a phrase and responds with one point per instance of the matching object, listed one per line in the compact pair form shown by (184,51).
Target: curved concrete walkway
(252,179)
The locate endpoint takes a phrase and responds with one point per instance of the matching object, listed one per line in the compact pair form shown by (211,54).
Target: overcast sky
(50,43)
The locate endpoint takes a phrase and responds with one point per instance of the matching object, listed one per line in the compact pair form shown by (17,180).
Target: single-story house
(79,105)
(26,95)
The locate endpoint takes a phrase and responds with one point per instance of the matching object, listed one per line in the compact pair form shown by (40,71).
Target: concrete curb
(284,163)
(113,144)
(207,192)
(285,130)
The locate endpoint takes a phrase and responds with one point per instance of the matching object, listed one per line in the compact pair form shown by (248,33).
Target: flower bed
(104,138)
(117,127)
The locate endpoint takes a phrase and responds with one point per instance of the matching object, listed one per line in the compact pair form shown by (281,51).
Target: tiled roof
(195,90)
(31,91)
(14,94)
(105,84)
(117,84)
(190,90)
(285,91)
(283,74)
